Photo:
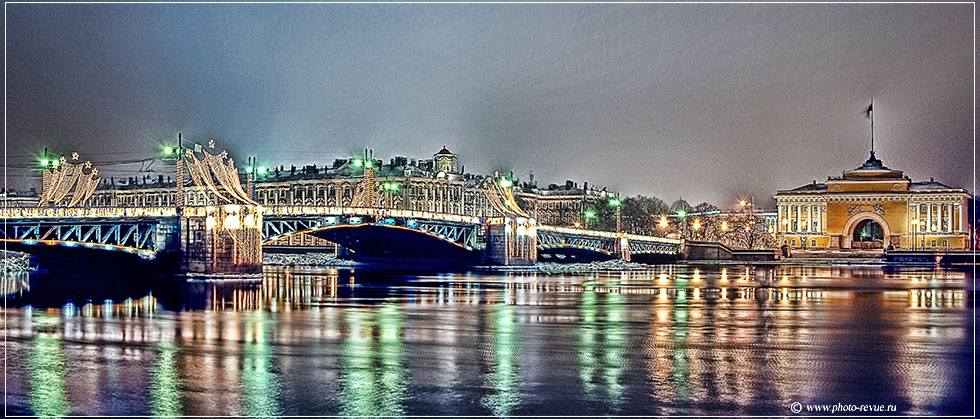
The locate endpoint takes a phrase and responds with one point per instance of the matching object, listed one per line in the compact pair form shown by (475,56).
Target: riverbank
(304,259)
(15,261)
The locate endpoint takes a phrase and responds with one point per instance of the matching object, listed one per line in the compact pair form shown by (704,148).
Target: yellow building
(873,207)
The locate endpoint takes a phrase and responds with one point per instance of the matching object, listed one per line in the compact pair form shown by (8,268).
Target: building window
(813,243)
(933,243)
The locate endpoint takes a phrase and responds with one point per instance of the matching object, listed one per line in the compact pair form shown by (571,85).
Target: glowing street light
(506,183)
(262,170)
(358,162)
(724,226)
(168,150)
(614,202)
(663,221)
(44,162)
(697,224)
(590,214)
(249,169)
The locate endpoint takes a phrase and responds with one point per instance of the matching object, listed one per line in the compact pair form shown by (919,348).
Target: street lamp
(588,216)
(615,202)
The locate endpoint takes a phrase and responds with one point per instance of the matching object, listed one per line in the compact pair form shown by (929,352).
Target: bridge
(193,237)
(226,234)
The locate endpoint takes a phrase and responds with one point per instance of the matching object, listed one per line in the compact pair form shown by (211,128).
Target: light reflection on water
(671,340)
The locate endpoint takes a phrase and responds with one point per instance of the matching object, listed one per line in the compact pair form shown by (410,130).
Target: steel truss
(463,234)
(136,234)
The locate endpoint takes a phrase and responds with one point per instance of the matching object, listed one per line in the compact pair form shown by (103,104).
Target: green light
(248,169)
(368,164)
(590,214)
(682,213)
(614,202)
(506,183)
(387,186)
(262,170)
(44,163)
(358,162)
(55,163)
(394,186)
(168,150)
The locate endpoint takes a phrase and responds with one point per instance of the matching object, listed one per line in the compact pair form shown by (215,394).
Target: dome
(680,205)
(444,151)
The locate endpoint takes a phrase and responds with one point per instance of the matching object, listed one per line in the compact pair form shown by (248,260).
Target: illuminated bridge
(200,235)
(224,231)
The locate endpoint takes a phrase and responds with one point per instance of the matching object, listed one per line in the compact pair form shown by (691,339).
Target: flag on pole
(867,113)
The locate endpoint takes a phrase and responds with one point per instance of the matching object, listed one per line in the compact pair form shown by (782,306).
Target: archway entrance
(868,234)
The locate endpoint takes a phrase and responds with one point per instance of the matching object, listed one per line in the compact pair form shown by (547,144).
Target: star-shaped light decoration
(88,164)
(211,143)
(74,155)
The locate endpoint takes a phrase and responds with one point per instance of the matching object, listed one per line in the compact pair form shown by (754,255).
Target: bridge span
(228,238)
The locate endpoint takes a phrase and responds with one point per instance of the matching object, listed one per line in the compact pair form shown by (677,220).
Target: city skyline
(640,98)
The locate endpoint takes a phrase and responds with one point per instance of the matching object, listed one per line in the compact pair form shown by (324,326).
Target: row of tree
(705,221)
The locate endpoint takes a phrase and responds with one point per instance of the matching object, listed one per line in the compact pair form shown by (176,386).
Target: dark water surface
(671,340)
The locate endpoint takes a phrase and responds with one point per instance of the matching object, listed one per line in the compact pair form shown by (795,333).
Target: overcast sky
(708,102)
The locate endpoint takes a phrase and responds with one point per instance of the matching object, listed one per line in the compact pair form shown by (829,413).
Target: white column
(799,213)
(809,217)
(949,216)
(929,217)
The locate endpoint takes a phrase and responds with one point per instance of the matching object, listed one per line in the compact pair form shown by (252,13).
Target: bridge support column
(623,247)
(511,241)
(221,240)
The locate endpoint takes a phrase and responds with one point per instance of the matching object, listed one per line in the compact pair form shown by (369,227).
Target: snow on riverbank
(15,261)
(304,259)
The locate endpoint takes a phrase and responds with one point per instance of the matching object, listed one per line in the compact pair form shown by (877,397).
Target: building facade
(873,207)
(435,185)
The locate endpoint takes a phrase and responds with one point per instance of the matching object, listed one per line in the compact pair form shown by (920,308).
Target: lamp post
(589,214)
(616,203)
(750,204)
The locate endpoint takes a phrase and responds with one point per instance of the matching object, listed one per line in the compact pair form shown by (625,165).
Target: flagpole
(872,107)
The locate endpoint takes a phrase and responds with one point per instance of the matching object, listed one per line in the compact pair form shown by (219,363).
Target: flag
(867,113)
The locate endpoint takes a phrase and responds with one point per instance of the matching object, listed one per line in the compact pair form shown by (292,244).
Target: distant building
(436,185)
(873,206)
(561,205)
(19,199)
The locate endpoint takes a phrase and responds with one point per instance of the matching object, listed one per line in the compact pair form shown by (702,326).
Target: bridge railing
(97,212)
(296,210)
(606,234)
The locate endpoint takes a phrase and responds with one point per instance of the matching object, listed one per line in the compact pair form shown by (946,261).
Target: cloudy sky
(708,102)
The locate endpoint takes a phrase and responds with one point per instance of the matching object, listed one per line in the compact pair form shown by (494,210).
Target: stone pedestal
(511,241)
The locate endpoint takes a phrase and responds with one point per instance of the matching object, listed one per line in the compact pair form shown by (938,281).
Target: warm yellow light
(209,222)
(663,221)
(697,224)
(742,202)
(250,221)
(724,226)
(232,222)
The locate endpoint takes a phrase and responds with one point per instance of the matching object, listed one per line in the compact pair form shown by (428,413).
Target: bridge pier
(623,248)
(511,241)
(221,240)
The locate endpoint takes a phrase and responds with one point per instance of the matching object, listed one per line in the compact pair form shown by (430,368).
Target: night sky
(708,102)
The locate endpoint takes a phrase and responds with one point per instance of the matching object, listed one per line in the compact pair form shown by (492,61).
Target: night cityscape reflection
(670,340)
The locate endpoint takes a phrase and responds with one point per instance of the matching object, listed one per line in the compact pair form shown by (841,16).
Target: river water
(672,340)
